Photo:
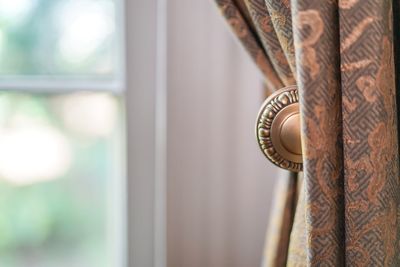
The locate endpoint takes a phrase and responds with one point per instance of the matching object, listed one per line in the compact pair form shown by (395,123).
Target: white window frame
(146,39)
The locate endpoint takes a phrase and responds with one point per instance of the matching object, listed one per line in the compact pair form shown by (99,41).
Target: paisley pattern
(341,54)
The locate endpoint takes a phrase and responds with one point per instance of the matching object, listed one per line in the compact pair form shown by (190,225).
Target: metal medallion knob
(278,129)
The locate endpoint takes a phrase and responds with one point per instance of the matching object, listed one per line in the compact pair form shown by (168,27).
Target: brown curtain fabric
(316,41)
(341,56)
(244,31)
(282,216)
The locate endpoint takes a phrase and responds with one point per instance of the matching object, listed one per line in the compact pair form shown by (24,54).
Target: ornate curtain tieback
(278,129)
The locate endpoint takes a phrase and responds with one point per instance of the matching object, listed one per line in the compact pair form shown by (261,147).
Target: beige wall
(219,185)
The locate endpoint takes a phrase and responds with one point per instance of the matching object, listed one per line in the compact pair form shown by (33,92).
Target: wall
(218,184)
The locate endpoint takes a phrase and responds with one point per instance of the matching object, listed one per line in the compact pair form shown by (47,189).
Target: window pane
(59,164)
(58,37)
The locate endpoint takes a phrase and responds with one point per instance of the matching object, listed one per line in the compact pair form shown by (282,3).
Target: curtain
(340,54)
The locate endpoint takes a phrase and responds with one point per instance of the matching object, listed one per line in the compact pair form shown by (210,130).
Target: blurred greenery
(60,222)
(34,32)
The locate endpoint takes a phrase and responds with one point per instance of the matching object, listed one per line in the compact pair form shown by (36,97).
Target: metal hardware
(278,129)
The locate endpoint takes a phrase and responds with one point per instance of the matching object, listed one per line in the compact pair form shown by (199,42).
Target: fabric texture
(341,54)
(316,42)
(282,216)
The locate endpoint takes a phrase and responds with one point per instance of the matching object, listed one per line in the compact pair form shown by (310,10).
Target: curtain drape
(345,211)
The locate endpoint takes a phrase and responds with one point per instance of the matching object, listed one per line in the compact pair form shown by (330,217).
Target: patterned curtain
(344,209)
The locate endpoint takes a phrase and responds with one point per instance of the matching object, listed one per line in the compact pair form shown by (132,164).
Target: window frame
(146,122)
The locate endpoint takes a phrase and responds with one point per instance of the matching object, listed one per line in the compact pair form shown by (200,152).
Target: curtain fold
(370,146)
(249,39)
(269,39)
(280,13)
(341,56)
(282,216)
(297,254)
(316,42)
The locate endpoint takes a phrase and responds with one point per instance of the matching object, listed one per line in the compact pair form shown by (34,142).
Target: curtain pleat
(297,254)
(370,145)
(341,56)
(266,31)
(282,215)
(280,13)
(250,41)
(316,41)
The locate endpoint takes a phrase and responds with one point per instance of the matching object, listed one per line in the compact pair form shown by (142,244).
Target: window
(61,133)
(58,37)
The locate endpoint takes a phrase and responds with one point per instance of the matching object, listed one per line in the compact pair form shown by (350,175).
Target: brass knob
(278,129)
